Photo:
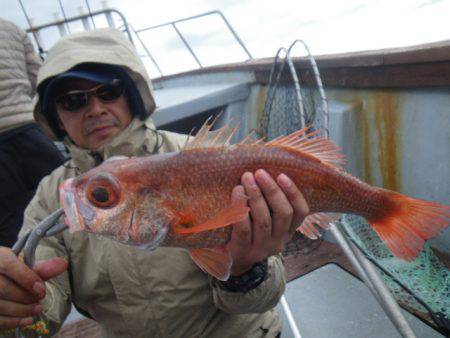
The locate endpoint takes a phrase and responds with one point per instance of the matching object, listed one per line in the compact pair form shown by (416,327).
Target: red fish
(182,199)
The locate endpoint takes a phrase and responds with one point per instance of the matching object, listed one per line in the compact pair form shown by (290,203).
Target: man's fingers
(17,271)
(296,199)
(259,211)
(13,322)
(50,268)
(13,309)
(282,210)
(13,292)
(241,236)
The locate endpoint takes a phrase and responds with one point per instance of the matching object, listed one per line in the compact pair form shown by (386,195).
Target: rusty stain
(363,135)
(361,104)
(387,125)
(377,125)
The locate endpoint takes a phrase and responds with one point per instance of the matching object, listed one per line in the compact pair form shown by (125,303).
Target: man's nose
(95,107)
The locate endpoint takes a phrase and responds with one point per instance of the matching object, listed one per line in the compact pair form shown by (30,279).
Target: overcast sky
(328,26)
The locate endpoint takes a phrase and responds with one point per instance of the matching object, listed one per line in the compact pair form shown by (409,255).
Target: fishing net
(287,107)
(426,277)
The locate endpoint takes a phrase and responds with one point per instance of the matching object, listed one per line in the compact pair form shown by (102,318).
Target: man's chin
(101,137)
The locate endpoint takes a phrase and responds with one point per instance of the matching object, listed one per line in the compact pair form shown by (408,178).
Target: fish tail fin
(408,223)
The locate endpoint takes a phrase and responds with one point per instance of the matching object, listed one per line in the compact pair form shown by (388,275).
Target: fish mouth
(68,202)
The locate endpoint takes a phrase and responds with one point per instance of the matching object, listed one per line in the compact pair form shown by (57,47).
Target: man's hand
(22,290)
(277,208)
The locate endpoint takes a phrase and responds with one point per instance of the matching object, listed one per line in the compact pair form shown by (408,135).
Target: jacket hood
(104,46)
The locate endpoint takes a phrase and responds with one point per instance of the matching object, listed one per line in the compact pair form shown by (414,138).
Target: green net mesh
(426,276)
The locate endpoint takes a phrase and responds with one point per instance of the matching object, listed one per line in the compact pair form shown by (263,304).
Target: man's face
(95,123)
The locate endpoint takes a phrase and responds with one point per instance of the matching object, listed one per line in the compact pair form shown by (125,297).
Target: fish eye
(100,194)
(102,191)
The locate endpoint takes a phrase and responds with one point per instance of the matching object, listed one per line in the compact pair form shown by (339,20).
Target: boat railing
(185,42)
(87,20)
(88,23)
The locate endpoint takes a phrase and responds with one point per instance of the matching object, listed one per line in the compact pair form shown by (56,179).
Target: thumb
(50,268)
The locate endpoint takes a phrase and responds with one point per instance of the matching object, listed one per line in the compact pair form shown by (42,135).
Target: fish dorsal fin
(250,140)
(215,261)
(313,144)
(206,138)
(311,225)
(234,213)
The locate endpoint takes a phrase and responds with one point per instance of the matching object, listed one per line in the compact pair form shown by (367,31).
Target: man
(96,95)
(26,154)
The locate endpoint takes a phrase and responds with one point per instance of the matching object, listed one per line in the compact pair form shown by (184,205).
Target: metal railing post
(234,33)
(186,44)
(84,18)
(373,281)
(147,51)
(290,317)
(183,39)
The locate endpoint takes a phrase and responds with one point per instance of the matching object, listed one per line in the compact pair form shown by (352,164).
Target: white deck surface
(329,302)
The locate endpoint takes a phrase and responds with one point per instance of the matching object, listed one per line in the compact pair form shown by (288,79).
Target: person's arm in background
(32,62)
(24,293)
(258,280)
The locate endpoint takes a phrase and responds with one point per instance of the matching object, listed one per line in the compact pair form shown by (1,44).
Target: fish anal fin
(234,213)
(313,223)
(216,261)
(310,143)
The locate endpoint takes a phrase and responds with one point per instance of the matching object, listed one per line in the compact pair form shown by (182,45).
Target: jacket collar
(138,139)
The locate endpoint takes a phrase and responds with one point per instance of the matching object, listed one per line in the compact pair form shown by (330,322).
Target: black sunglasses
(77,99)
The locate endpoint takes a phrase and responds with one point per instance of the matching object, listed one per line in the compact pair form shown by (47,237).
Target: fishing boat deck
(330,302)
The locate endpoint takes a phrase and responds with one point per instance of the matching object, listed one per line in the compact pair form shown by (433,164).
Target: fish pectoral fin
(312,223)
(234,213)
(216,261)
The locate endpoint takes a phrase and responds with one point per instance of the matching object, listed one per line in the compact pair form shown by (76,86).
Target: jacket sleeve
(32,62)
(57,303)
(258,300)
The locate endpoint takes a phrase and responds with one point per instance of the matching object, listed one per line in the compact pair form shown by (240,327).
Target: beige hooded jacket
(131,292)
(19,65)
